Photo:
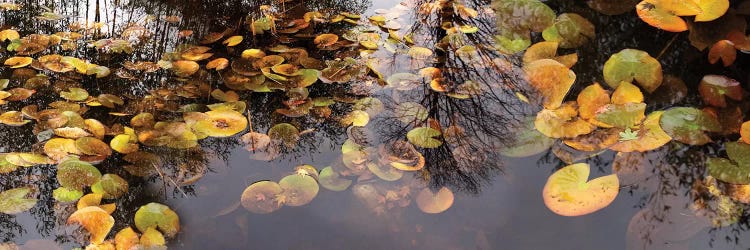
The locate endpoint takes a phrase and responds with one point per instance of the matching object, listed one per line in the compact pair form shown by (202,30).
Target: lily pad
(715,89)
(298,189)
(591,99)
(552,79)
(569,193)
(688,125)
(570,30)
(221,123)
(95,220)
(76,174)
(14,201)
(633,65)
(622,115)
(110,186)
(157,215)
(331,180)
(260,197)
(424,137)
(434,202)
(63,194)
(562,122)
(650,136)
(286,133)
(526,141)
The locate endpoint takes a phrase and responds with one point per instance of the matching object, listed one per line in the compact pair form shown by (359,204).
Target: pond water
(476,184)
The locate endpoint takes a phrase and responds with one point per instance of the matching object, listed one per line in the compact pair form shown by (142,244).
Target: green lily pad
(633,65)
(298,189)
(75,94)
(260,197)
(330,179)
(408,112)
(726,171)
(570,30)
(63,194)
(286,133)
(521,17)
(688,125)
(13,201)
(385,172)
(157,215)
(622,115)
(110,186)
(76,174)
(424,137)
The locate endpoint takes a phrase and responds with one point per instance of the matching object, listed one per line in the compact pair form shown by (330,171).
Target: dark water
(498,202)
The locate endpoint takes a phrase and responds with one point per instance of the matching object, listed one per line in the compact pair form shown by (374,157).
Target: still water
(498,200)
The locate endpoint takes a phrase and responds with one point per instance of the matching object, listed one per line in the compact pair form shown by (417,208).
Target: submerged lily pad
(298,189)
(526,141)
(159,216)
(688,125)
(260,197)
(434,202)
(569,193)
(631,65)
(13,201)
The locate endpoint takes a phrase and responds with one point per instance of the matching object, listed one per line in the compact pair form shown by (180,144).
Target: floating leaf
(63,194)
(424,137)
(568,193)
(286,133)
(570,30)
(221,123)
(298,189)
(622,115)
(548,50)
(420,53)
(233,41)
(711,9)
(152,238)
(110,186)
(385,172)
(330,179)
(14,201)
(552,79)
(95,220)
(18,62)
(159,216)
(75,94)
(562,122)
(688,125)
(76,174)
(591,99)
(324,40)
(218,64)
(714,89)
(126,239)
(519,17)
(185,68)
(434,203)
(724,170)
(722,50)
(631,64)
(260,197)
(526,141)
(650,136)
(662,15)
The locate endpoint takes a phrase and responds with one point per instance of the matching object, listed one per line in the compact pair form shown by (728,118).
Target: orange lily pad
(552,79)
(95,220)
